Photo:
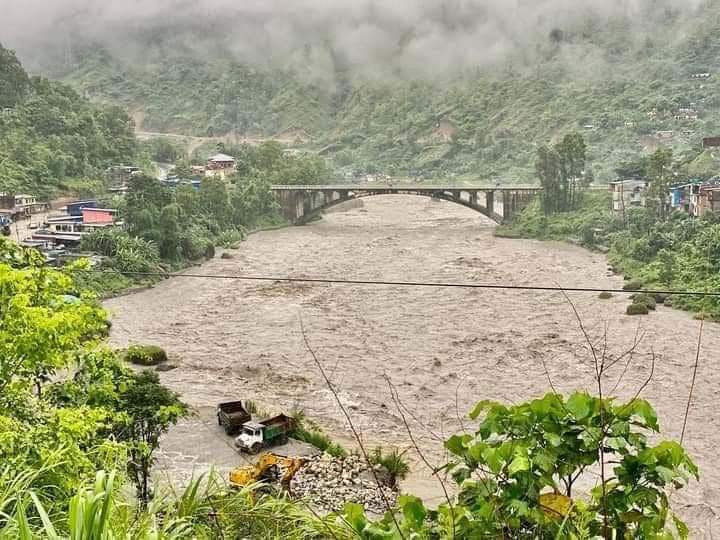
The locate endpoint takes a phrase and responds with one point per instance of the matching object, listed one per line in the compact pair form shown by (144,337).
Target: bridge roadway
(301,203)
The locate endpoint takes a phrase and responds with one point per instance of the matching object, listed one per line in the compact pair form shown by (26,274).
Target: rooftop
(221,158)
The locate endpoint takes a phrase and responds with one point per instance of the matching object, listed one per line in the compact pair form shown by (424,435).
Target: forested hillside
(52,138)
(619,81)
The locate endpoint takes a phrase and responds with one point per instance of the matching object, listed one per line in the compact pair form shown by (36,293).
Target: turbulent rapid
(442,349)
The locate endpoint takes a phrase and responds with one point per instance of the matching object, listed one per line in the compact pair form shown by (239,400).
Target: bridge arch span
(300,204)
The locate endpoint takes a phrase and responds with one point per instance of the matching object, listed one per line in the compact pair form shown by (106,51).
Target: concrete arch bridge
(300,204)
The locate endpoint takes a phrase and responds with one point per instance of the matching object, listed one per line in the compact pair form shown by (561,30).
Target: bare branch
(457,408)
(433,470)
(355,433)
(647,381)
(692,384)
(584,332)
(547,374)
(599,374)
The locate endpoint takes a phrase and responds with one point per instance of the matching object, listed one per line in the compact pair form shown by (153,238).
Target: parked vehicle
(231,416)
(258,435)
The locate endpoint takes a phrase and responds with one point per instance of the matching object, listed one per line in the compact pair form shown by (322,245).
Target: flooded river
(443,349)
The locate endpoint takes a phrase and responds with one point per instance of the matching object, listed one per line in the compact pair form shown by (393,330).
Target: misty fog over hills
(468,87)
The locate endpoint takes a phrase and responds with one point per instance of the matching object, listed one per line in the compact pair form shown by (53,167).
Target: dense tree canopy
(51,137)
(14,81)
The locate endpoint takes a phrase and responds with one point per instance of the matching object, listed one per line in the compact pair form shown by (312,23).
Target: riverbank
(442,349)
(679,253)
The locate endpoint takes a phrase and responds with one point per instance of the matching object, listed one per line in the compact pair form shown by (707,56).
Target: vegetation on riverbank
(70,410)
(167,229)
(676,253)
(578,225)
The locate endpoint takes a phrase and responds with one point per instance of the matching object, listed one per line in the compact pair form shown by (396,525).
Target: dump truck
(258,435)
(232,416)
(269,467)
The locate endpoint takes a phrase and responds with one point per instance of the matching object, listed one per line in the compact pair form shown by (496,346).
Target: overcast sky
(414,34)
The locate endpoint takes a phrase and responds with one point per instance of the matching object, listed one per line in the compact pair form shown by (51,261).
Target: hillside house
(69,229)
(711,142)
(686,113)
(704,75)
(99,216)
(708,200)
(684,197)
(220,165)
(76,208)
(120,174)
(629,193)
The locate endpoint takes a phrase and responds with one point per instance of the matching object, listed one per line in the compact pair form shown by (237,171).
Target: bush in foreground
(519,473)
(146,355)
(605,295)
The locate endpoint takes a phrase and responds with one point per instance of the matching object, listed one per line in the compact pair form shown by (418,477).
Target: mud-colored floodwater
(443,349)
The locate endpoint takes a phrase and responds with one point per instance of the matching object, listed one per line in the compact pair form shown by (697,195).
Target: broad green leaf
(480,408)
(413,510)
(354,514)
(457,444)
(519,464)
(666,474)
(579,405)
(616,443)
(632,516)
(644,410)
(493,460)
(553,438)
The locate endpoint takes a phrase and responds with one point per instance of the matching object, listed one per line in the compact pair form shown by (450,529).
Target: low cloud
(425,37)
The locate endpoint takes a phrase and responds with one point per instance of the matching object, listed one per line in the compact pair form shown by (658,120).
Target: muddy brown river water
(443,349)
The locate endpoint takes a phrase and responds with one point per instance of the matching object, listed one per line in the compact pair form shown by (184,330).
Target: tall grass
(393,461)
(206,509)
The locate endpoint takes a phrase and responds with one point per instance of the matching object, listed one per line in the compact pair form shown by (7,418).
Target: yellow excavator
(267,468)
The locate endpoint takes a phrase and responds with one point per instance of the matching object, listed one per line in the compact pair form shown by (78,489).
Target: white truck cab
(250,437)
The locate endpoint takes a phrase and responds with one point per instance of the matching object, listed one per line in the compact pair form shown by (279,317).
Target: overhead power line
(429,284)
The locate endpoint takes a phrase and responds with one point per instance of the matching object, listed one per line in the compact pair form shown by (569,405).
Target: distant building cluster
(695,197)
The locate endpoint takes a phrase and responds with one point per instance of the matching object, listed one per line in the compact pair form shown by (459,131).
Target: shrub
(633,285)
(605,295)
(145,355)
(230,239)
(320,441)
(645,300)
(127,253)
(661,298)
(393,462)
(305,431)
(637,309)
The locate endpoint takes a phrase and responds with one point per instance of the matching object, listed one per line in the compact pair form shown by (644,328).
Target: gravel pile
(331,482)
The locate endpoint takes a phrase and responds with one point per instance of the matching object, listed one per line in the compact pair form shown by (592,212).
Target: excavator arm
(244,476)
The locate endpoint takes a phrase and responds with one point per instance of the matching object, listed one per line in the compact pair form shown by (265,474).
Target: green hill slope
(620,82)
(50,137)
